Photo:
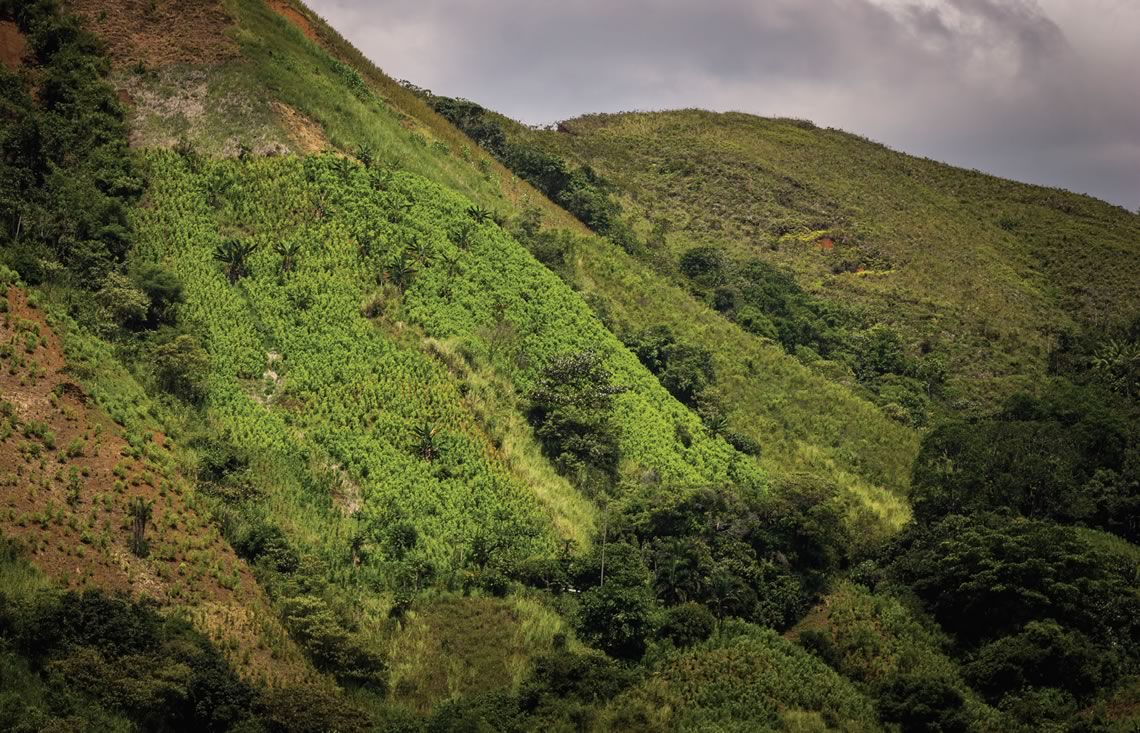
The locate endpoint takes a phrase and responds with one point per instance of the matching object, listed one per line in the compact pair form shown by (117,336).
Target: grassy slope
(75,455)
(802,421)
(983,270)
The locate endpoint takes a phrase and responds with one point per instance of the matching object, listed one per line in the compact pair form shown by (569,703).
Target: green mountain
(331,404)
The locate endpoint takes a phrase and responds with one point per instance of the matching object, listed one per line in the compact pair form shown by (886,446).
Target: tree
(619,615)
(400,271)
(140,510)
(479,214)
(570,410)
(705,265)
(234,255)
(683,369)
(288,252)
(182,367)
(163,289)
(425,440)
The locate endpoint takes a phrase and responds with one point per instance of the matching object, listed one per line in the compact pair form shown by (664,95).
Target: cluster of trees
(66,175)
(67,180)
(578,189)
(570,410)
(94,661)
(1020,550)
(768,302)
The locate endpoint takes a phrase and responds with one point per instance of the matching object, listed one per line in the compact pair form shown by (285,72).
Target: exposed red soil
(290,13)
(827,244)
(161,32)
(13,45)
(64,497)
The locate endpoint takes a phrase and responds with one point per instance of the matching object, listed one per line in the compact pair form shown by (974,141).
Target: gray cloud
(1040,90)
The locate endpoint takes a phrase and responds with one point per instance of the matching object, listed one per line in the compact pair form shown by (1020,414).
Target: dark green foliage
(571,687)
(182,367)
(687,623)
(1070,454)
(918,701)
(474,121)
(987,576)
(618,611)
(331,646)
(234,254)
(495,712)
(66,171)
(96,656)
(570,411)
(579,190)
(761,559)
(164,291)
(705,265)
(683,369)
(1043,654)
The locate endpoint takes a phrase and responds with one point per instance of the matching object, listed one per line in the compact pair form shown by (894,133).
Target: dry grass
(161,32)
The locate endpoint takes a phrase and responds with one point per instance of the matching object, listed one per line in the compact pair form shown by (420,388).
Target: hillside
(982,274)
(328,404)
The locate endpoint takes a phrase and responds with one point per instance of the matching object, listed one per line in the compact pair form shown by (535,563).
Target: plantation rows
(307,357)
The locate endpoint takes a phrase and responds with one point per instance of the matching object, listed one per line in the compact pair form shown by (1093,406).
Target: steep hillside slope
(324,94)
(981,273)
(430,451)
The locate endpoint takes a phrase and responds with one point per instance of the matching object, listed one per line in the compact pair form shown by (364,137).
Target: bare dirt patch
(290,13)
(161,32)
(13,45)
(67,477)
(306,135)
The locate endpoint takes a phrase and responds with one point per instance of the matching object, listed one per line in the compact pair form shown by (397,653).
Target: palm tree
(364,154)
(425,438)
(451,263)
(288,252)
(479,214)
(462,234)
(421,248)
(140,510)
(400,271)
(234,255)
(343,167)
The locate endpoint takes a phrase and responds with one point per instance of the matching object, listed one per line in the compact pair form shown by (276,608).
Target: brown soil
(827,244)
(161,32)
(64,498)
(290,13)
(306,135)
(13,45)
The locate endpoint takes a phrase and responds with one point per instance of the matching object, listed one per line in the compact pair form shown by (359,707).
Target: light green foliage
(743,679)
(359,391)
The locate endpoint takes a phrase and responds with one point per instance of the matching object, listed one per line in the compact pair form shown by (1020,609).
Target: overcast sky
(1046,91)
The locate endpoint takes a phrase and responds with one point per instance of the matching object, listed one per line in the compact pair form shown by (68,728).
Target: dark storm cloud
(1043,91)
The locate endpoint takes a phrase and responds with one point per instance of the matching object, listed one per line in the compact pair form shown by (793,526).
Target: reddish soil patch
(290,13)
(13,45)
(67,475)
(161,32)
(827,244)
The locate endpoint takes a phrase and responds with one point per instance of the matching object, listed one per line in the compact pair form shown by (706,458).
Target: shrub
(705,265)
(570,410)
(182,367)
